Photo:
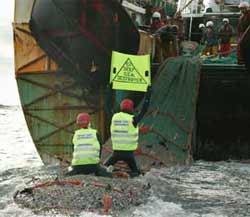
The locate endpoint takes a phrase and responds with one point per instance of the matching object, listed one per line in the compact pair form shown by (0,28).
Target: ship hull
(82,35)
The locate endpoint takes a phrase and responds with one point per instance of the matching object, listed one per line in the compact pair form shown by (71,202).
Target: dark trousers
(89,169)
(127,157)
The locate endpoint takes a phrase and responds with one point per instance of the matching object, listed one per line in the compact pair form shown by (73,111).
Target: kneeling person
(87,149)
(125,133)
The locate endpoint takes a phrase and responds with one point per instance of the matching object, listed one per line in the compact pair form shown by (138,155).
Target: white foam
(158,208)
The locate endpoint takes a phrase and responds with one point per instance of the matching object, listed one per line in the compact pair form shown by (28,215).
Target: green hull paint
(51,103)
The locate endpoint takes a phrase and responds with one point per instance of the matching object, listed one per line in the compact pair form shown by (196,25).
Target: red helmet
(127,105)
(83,120)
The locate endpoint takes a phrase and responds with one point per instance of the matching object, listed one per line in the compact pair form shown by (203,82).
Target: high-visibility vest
(86,147)
(124,135)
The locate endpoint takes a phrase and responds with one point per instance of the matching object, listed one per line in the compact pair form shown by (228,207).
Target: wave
(3,106)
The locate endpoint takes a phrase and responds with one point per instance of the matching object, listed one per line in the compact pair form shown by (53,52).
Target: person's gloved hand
(143,129)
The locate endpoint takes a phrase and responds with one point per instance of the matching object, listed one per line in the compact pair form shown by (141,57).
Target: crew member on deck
(125,133)
(202,30)
(225,33)
(87,149)
(243,47)
(211,41)
(156,22)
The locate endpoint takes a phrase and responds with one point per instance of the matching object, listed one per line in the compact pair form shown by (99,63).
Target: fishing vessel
(62,63)
(222,116)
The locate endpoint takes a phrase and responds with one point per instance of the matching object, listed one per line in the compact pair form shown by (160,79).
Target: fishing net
(230,59)
(76,194)
(171,114)
(166,129)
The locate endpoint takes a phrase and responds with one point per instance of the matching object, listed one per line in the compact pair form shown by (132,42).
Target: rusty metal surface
(50,99)
(51,103)
(29,58)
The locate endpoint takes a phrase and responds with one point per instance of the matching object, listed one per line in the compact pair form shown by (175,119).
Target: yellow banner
(130,72)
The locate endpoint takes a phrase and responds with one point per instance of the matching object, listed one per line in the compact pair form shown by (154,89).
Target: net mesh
(230,59)
(73,195)
(171,113)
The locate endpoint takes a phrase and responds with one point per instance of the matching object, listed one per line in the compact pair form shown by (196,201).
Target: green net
(171,113)
(232,59)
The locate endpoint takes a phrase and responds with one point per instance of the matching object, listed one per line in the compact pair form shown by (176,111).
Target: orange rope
(74,182)
(57,182)
(140,152)
(183,148)
(106,187)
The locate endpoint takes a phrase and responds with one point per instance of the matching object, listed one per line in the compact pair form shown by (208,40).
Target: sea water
(203,189)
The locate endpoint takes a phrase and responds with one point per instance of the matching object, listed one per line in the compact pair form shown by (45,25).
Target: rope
(140,152)
(153,130)
(108,187)
(61,159)
(58,182)
(185,6)
(172,117)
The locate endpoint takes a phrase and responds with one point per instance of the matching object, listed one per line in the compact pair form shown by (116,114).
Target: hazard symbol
(129,74)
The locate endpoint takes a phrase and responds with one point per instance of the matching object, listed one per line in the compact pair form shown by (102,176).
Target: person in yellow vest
(87,149)
(125,133)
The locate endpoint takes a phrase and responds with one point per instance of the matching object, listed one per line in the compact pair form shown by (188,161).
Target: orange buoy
(107,202)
